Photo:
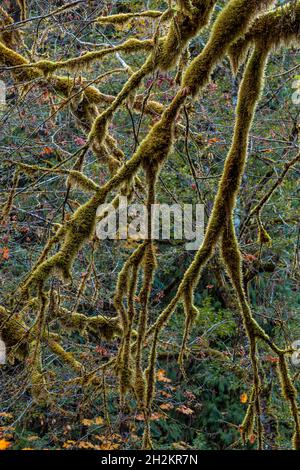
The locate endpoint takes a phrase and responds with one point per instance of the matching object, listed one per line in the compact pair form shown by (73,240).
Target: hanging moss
(247,425)
(263,237)
(10,38)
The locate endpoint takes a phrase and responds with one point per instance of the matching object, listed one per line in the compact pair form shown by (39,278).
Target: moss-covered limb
(66,357)
(58,235)
(290,394)
(232,22)
(99,128)
(126,287)
(123,282)
(273,29)
(9,38)
(13,332)
(66,86)
(164,57)
(82,286)
(232,259)
(266,197)
(37,379)
(122,18)
(150,379)
(247,425)
(10,58)
(87,59)
(79,229)
(8,205)
(156,145)
(76,178)
(149,265)
(233,263)
(191,313)
(23,9)
(185,6)
(185,26)
(98,325)
(84,109)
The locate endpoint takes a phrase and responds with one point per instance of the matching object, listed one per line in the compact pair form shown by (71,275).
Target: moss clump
(263,237)
(13,332)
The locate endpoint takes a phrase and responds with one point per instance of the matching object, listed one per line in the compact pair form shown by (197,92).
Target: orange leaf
(89,422)
(272,359)
(4,444)
(47,151)
(185,410)
(213,140)
(244,398)
(166,406)
(161,376)
(249,257)
(5,253)
(154,416)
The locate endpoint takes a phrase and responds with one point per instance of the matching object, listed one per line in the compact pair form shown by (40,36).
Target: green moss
(123,18)
(7,208)
(263,237)
(66,357)
(10,38)
(13,332)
